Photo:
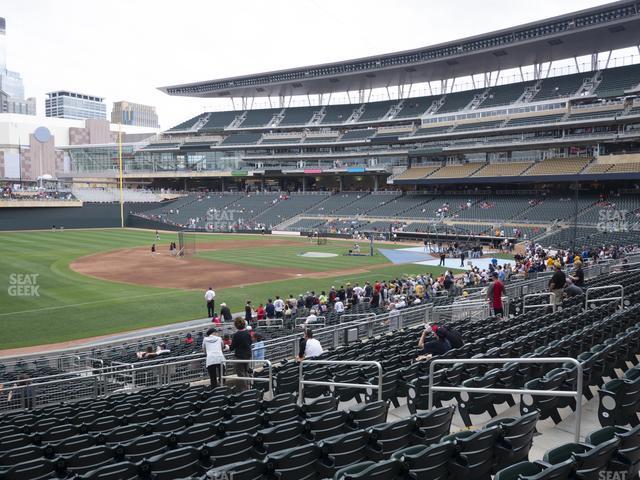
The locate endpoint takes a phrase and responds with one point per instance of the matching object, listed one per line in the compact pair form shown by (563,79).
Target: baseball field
(59,286)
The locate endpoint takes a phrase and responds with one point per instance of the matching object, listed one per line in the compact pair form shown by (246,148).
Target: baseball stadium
(415,265)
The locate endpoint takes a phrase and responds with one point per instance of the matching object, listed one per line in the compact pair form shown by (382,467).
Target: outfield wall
(90,215)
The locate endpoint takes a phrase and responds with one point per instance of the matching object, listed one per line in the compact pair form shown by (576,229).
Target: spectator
(24,391)
(241,346)
(225,312)
(571,289)
(309,346)
(557,284)
(270,309)
(188,339)
(210,296)
(260,313)
(338,307)
(452,335)
(258,348)
(578,275)
(148,353)
(394,318)
(435,346)
(248,312)
(162,349)
(278,307)
(494,294)
(311,319)
(212,345)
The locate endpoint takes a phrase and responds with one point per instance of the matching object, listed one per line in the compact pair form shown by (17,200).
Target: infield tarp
(399,256)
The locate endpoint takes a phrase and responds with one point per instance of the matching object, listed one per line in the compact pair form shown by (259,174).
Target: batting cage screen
(186,244)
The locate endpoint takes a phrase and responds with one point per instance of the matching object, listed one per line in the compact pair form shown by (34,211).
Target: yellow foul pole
(120,168)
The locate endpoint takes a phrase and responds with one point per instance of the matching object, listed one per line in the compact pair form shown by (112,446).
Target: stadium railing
(122,378)
(354,363)
(577,393)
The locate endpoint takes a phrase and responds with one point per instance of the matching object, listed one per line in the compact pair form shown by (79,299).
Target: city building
(129,113)
(75,106)
(32,146)
(12,98)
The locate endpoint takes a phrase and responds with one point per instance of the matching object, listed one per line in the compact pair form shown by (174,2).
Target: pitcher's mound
(317,254)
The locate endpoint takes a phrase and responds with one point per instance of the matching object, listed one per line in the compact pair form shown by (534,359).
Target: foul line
(88,303)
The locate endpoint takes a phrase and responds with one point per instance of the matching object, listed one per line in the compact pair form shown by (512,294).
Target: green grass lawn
(289,256)
(72,306)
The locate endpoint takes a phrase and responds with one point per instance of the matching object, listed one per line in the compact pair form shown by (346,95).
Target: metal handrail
(321,321)
(347,317)
(271,323)
(266,363)
(552,300)
(302,382)
(577,393)
(588,300)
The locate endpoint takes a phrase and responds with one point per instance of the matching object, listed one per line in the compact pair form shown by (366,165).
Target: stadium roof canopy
(598,29)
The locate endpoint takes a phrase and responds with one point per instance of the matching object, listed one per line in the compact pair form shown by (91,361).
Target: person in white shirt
(338,306)
(310,320)
(394,318)
(309,346)
(278,305)
(212,347)
(210,296)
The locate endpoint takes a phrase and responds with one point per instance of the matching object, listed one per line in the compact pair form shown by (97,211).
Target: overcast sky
(124,49)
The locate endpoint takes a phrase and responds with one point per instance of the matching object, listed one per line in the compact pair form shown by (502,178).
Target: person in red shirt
(260,313)
(494,294)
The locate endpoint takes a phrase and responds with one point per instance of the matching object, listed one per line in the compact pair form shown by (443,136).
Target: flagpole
(120,168)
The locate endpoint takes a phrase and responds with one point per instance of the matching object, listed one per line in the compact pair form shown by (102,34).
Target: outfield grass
(72,306)
(289,256)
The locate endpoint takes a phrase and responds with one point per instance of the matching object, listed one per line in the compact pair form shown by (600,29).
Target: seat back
(295,463)
(342,450)
(369,414)
(116,471)
(428,463)
(179,463)
(435,424)
(280,437)
(229,450)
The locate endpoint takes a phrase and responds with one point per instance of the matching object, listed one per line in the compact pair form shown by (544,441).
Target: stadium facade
(494,129)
